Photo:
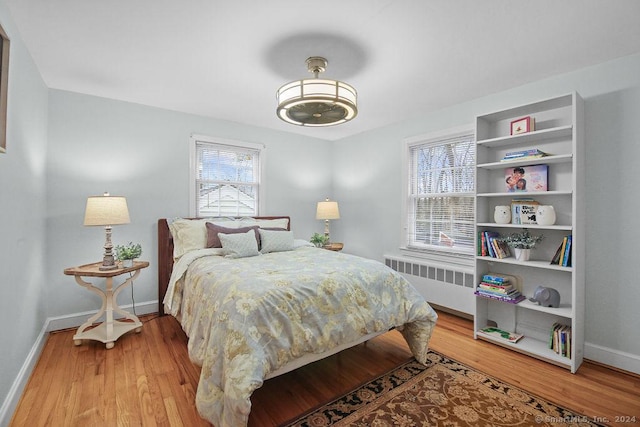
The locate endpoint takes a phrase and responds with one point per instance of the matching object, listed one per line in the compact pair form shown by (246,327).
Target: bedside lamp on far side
(327,210)
(106,210)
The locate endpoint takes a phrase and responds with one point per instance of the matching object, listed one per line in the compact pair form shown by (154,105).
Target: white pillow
(301,243)
(239,245)
(191,234)
(266,223)
(276,240)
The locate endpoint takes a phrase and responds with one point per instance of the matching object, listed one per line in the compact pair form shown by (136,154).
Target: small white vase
(545,215)
(522,254)
(127,263)
(502,214)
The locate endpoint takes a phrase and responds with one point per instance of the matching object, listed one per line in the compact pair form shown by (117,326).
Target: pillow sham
(275,241)
(213,241)
(265,223)
(239,245)
(191,234)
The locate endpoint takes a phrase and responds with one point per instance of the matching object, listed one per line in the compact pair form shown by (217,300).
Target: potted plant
(319,239)
(127,253)
(522,243)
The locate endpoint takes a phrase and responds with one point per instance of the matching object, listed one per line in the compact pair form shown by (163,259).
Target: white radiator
(446,286)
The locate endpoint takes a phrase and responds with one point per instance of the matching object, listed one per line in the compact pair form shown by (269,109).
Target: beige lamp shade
(106,210)
(327,210)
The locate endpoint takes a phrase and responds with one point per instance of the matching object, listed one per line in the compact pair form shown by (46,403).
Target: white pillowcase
(191,234)
(276,241)
(265,223)
(239,245)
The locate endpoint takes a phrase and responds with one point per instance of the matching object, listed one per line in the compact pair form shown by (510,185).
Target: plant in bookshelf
(523,240)
(522,243)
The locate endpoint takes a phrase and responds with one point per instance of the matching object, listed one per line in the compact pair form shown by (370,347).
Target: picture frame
(522,125)
(4,87)
(526,179)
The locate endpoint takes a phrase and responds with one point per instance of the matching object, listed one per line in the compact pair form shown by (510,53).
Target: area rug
(442,393)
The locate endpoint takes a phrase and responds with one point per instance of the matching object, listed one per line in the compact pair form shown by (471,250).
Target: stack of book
(560,339)
(562,256)
(489,244)
(499,287)
(533,153)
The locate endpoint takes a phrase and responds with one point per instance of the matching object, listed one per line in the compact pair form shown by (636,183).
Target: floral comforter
(248,317)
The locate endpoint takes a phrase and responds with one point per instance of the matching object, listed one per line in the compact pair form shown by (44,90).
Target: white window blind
(227,180)
(441,194)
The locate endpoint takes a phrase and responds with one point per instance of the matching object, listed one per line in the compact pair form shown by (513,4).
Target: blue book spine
(567,252)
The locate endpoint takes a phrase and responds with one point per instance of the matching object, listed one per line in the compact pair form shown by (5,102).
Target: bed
(251,316)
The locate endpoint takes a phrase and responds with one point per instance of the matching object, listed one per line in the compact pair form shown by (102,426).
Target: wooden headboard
(165,255)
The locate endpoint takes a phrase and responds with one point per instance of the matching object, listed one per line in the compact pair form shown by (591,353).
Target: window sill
(444,258)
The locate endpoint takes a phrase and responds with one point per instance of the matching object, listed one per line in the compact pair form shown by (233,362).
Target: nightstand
(109,330)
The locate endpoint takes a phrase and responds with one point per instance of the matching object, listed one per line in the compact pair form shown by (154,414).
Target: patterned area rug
(443,393)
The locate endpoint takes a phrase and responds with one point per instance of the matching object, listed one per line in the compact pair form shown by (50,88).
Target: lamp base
(107,267)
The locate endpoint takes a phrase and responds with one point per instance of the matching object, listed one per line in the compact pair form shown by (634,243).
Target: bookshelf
(558,131)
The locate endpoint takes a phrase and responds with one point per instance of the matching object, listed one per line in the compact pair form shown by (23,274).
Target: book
(514,300)
(528,157)
(533,153)
(488,235)
(564,246)
(523,209)
(511,279)
(551,334)
(556,256)
(521,153)
(526,178)
(511,337)
(493,277)
(497,289)
(566,258)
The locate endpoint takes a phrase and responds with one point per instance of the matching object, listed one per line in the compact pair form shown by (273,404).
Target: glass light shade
(106,210)
(317,102)
(327,210)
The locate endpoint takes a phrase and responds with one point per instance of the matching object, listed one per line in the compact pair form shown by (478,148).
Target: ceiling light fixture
(317,102)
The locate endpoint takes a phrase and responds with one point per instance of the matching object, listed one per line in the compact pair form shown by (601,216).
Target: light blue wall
(142,153)
(22,213)
(368,185)
(65,146)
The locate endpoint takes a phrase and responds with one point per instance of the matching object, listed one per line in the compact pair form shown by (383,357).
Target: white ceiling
(226,58)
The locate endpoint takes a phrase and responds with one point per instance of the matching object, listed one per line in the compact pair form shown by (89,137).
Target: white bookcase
(559,132)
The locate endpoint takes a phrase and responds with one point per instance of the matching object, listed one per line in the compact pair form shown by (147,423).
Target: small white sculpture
(545,215)
(502,214)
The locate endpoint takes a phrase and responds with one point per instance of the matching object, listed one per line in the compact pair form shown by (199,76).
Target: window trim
(4,86)
(436,254)
(195,138)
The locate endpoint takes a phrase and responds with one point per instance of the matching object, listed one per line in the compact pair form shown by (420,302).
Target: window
(225,177)
(441,193)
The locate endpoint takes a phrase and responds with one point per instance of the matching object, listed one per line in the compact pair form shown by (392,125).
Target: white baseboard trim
(615,358)
(53,324)
(76,319)
(15,392)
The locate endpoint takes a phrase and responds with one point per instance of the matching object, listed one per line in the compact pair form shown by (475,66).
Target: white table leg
(110,330)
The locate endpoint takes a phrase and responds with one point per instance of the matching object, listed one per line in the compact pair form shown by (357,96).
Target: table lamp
(106,210)
(327,210)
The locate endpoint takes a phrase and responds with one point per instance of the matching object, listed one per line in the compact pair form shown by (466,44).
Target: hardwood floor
(147,379)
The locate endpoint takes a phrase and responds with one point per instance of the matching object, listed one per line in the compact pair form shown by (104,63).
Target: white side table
(109,330)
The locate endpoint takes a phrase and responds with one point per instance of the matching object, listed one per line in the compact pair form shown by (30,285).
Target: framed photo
(4,87)
(523,125)
(523,179)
